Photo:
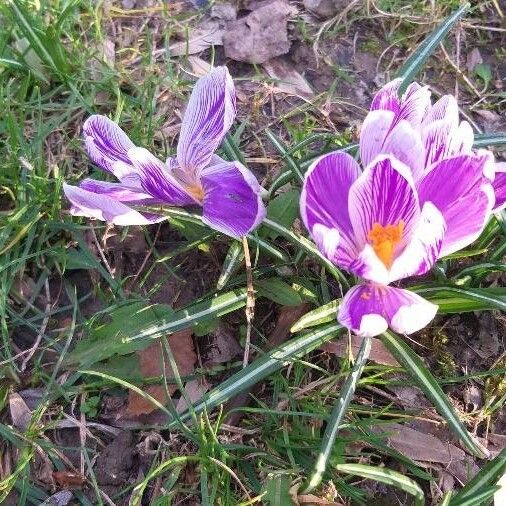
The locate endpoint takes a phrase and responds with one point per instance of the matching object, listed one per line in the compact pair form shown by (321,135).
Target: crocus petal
(446,108)
(499,186)
(374,131)
(156,179)
(423,248)
(415,104)
(232,201)
(208,117)
(463,195)
(323,205)
(108,146)
(387,98)
(105,208)
(384,194)
(369,309)
(118,191)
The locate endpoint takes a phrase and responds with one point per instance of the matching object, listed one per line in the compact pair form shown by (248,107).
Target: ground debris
(289,80)
(261,35)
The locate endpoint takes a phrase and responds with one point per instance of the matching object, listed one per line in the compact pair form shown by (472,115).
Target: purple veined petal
(375,129)
(106,208)
(208,117)
(446,108)
(384,196)
(387,98)
(405,144)
(499,186)
(108,146)
(464,196)
(119,192)
(324,205)
(232,202)
(415,104)
(369,309)
(423,249)
(367,265)
(446,139)
(156,179)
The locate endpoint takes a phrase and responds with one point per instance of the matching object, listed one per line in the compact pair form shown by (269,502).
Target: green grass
(46,92)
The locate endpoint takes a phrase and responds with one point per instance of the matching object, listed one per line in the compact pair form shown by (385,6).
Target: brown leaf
(20,413)
(261,35)
(287,316)
(69,479)
(195,390)
(181,344)
(289,80)
(379,353)
(311,499)
(418,445)
(199,39)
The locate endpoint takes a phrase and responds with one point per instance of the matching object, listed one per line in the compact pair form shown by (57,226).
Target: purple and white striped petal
(375,129)
(464,196)
(232,202)
(387,98)
(446,109)
(369,309)
(423,249)
(156,180)
(415,104)
(323,205)
(119,192)
(108,146)
(384,194)
(208,117)
(105,208)
(499,186)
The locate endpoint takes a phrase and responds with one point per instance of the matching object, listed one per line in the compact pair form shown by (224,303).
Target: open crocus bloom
(227,191)
(416,200)
(499,185)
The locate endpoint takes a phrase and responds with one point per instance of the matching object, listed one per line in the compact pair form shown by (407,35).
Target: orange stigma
(196,191)
(384,240)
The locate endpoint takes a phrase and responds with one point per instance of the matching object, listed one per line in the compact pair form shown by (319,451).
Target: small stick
(250,301)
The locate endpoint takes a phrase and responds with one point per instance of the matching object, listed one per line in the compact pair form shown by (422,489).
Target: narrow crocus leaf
(281,149)
(419,56)
(235,256)
(479,498)
(214,307)
(484,140)
(415,367)
(338,412)
(386,476)
(308,247)
(454,299)
(488,476)
(263,367)
(318,316)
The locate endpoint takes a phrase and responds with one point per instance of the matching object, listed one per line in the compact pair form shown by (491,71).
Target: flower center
(196,191)
(384,239)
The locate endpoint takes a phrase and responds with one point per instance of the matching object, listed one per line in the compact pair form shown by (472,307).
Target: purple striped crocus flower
(228,193)
(422,194)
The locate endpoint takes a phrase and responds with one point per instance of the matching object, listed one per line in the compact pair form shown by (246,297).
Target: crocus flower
(499,185)
(228,192)
(422,194)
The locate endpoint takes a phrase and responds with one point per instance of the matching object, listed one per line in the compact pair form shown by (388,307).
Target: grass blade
(485,478)
(281,149)
(484,140)
(323,314)
(235,256)
(338,412)
(414,366)
(386,476)
(262,367)
(416,61)
(209,309)
(479,499)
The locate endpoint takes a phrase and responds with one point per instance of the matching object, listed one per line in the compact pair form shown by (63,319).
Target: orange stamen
(196,191)
(385,239)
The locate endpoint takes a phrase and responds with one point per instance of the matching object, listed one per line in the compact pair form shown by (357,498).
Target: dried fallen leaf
(69,479)
(289,80)
(379,353)
(261,35)
(418,445)
(61,498)
(181,344)
(199,39)
(194,390)
(20,412)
